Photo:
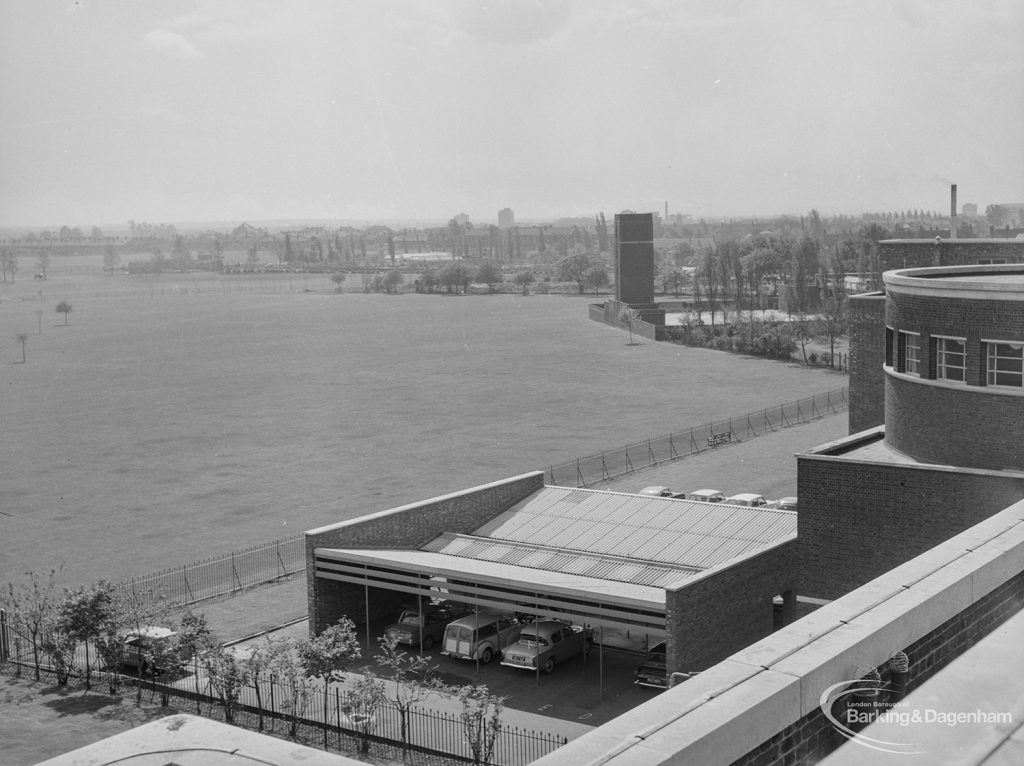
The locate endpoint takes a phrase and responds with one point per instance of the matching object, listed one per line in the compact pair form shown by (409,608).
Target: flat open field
(178,418)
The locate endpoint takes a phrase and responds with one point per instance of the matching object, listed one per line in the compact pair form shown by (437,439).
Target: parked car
(707,495)
(148,648)
(784,504)
(424,630)
(480,636)
(662,492)
(748,499)
(652,670)
(545,643)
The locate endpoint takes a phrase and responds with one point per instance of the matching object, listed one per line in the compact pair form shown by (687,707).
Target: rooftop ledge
(1003,281)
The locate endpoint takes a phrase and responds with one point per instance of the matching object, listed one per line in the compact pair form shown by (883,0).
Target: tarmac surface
(582,693)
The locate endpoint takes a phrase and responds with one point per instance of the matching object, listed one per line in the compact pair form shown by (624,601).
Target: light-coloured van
(481,636)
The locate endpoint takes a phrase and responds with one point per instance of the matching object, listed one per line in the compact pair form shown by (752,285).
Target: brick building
(938,358)
(703,577)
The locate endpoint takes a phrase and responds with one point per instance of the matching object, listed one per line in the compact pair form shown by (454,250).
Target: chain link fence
(594,469)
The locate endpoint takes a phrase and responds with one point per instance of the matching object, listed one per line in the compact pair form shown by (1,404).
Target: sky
(405,110)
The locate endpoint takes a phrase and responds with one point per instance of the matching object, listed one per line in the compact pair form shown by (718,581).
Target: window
(910,343)
(888,346)
(1005,364)
(950,359)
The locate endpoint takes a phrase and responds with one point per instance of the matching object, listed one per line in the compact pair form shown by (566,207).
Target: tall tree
(64,308)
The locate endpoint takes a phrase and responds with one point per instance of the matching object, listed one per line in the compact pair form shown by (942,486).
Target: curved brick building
(954,365)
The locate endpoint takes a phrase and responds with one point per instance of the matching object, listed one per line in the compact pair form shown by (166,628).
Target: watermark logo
(853,704)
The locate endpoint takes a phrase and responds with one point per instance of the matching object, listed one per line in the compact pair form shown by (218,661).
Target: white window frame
(990,368)
(941,356)
(904,336)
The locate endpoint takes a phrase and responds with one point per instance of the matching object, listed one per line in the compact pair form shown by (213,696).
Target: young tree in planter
(327,655)
(33,603)
(364,700)
(481,720)
(628,316)
(84,613)
(414,679)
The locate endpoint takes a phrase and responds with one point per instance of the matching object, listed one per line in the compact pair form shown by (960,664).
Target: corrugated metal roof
(657,530)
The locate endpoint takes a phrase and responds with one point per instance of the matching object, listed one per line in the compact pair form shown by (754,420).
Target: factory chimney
(952,211)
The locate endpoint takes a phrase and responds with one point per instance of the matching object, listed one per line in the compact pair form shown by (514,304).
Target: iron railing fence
(429,732)
(594,469)
(219,576)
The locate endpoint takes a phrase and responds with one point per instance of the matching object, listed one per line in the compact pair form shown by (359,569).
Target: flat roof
(1001,281)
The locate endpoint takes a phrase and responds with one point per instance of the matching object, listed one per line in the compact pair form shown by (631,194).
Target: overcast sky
(399,110)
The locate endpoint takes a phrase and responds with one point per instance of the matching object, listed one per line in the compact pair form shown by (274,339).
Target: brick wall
(859,519)
(954,424)
(408,526)
(721,611)
(943,315)
(867,357)
(811,738)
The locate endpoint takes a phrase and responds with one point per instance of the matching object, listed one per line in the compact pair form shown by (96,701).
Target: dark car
(652,671)
(424,630)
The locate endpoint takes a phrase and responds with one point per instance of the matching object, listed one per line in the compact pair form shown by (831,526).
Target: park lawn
(178,418)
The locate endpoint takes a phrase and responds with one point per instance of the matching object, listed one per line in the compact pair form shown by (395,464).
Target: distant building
(970,209)
(506,218)
(461,219)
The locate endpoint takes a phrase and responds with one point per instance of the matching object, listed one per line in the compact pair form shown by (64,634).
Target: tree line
(59,622)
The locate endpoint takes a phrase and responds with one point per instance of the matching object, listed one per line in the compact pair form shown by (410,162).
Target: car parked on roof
(707,495)
(480,636)
(545,643)
(659,491)
(748,499)
(424,628)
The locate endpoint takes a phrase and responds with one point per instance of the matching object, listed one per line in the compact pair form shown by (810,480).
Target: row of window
(1004,360)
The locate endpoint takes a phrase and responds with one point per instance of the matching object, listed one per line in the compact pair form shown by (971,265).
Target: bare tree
(481,720)
(33,604)
(414,680)
(832,324)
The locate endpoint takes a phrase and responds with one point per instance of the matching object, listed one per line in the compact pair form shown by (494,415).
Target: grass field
(178,418)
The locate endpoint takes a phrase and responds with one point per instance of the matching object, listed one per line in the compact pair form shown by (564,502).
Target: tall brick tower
(634,258)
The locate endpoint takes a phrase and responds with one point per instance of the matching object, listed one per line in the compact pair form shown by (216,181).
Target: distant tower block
(634,258)
(506,218)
